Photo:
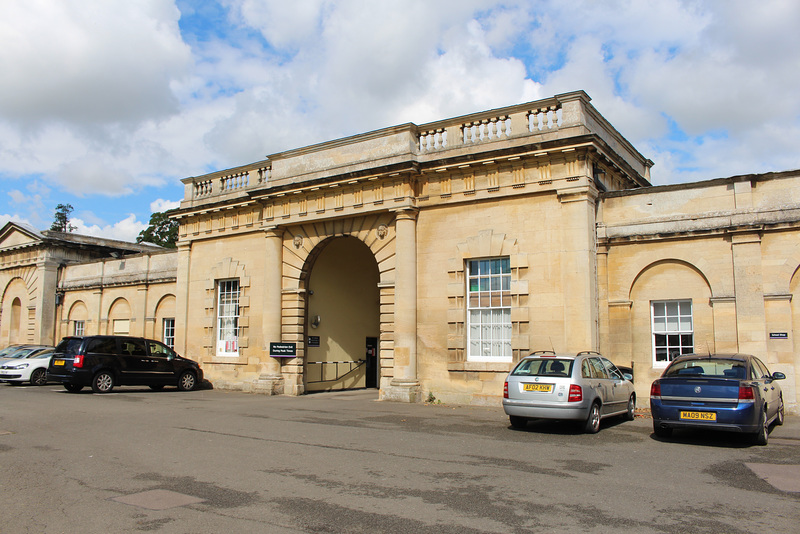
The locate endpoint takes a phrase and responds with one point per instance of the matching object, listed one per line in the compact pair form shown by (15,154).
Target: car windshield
(708,367)
(544,367)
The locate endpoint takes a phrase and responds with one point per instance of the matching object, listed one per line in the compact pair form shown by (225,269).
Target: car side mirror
(778,376)
(628,377)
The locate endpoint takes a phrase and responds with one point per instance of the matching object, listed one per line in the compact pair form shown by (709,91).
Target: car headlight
(18,366)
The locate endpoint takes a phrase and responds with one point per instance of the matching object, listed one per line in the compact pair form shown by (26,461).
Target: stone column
(578,268)
(182,287)
(270,381)
(404,386)
(751,325)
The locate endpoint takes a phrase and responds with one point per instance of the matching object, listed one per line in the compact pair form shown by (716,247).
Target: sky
(107,105)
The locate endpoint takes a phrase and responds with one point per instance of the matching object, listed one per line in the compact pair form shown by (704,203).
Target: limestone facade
(425,260)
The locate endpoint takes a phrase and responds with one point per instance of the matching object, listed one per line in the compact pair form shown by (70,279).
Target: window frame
(681,347)
(168,332)
(79,328)
(488,309)
(227,311)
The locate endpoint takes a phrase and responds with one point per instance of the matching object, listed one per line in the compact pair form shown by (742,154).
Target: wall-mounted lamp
(315,321)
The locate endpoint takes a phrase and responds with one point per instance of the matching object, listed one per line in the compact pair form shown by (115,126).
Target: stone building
(424,260)
(35,289)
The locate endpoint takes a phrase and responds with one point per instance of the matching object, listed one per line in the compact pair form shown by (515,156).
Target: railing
(566,114)
(491,128)
(353,366)
(230,182)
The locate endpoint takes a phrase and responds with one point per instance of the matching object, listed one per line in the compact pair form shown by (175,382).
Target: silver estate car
(584,387)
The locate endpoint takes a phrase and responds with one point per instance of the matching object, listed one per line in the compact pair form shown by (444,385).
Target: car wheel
(661,431)
(631,413)
(780,415)
(517,421)
(102,382)
(762,436)
(73,388)
(156,387)
(592,425)
(187,381)
(39,377)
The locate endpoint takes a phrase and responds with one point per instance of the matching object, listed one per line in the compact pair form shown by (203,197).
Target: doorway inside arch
(342,318)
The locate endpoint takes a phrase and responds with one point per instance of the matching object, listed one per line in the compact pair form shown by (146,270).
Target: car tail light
(78,361)
(505,390)
(575,393)
(746,393)
(655,389)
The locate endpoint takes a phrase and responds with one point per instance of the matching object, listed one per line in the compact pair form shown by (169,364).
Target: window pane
(672,308)
(659,309)
(672,323)
(489,305)
(660,324)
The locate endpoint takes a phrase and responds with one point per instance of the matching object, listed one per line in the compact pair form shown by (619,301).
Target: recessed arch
(342,315)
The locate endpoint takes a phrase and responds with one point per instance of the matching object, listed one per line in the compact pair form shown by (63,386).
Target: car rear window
(69,346)
(711,368)
(544,367)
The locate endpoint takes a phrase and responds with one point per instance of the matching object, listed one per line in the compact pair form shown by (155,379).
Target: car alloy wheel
(780,415)
(39,377)
(631,413)
(103,382)
(592,425)
(187,381)
(762,436)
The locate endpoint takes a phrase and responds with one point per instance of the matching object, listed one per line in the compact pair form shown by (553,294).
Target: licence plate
(699,416)
(547,388)
(58,362)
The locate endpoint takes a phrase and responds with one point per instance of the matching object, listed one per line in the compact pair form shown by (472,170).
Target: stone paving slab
(158,499)
(782,477)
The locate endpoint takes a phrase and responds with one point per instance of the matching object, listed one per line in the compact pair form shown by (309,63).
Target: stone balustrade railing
(559,117)
(493,127)
(206,187)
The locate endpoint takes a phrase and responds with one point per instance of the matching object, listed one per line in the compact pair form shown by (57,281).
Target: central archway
(342,317)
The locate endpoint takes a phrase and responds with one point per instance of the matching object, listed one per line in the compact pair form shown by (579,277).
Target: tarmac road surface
(214,461)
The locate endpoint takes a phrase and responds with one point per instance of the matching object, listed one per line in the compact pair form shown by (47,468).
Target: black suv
(103,362)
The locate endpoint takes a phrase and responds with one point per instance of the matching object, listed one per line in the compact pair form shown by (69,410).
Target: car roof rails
(589,352)
(542,352)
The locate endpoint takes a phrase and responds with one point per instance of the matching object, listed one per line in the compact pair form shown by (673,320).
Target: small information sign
(313,341)
(283,350)
(779,335)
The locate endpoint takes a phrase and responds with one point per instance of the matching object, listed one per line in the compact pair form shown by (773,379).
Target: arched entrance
(342,317)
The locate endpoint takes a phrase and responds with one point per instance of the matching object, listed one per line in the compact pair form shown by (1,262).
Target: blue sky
(108,105)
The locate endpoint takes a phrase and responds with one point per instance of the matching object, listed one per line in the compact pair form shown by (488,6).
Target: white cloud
(109,99)
(89,61)
(161,205)
(125,230)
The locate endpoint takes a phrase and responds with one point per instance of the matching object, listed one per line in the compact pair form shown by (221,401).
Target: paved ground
(215,461)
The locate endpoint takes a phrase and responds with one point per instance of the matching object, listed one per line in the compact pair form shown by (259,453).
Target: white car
(32,368)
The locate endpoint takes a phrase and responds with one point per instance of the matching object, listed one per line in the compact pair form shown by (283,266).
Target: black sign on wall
(283,350)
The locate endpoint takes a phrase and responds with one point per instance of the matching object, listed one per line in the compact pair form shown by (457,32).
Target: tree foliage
(61,219)
(162,231)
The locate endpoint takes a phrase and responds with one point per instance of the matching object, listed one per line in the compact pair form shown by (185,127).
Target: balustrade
(544,119)
(490,128)
(234,181)
(204,188)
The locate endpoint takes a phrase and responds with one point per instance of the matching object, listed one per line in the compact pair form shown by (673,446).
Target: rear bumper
(742,417)
(577,411)
(72,378)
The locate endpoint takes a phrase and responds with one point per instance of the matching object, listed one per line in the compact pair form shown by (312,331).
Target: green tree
(61,219)
(162,231)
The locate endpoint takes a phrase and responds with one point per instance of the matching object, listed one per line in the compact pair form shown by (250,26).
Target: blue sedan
(733,392)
